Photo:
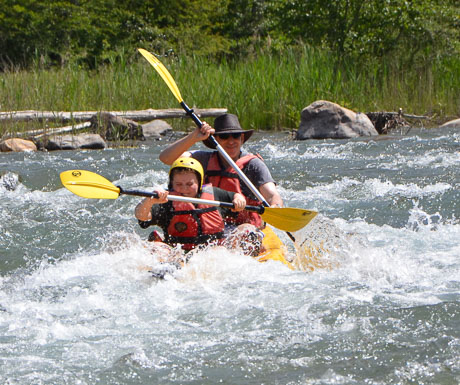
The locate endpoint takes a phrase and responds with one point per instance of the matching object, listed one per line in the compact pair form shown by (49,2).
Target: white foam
(346,188)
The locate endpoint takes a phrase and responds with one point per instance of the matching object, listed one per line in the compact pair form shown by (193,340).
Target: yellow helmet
(188,162)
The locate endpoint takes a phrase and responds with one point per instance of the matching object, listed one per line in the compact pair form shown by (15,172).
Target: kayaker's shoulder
(202,156)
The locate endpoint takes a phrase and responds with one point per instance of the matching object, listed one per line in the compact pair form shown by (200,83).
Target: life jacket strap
(203,238)
(195,211)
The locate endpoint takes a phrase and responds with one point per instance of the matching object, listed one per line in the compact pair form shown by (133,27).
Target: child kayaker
(190,225)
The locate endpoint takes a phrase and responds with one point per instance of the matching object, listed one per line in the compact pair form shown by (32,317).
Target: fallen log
(37,134)
(415,116)
(404,115)
(83,116)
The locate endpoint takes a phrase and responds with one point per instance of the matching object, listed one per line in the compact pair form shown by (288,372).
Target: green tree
(374,28)
(91,32)
(18,30)
(245,23)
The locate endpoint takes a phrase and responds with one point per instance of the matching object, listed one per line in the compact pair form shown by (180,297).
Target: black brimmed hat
(228,124)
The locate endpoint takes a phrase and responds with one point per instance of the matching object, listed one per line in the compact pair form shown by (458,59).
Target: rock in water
(9,181)
(327,120)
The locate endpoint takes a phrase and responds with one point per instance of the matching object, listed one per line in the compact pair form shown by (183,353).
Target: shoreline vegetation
(266,90)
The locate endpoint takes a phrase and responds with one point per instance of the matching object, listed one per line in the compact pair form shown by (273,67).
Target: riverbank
(267,91)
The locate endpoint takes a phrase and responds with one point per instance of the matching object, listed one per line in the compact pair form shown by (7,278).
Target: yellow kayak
(274,248)
(308,256)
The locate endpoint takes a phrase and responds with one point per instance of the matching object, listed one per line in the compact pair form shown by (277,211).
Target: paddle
(168,79)
(88,184)
(166,76)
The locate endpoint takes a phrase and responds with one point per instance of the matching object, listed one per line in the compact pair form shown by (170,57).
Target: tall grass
(267,91)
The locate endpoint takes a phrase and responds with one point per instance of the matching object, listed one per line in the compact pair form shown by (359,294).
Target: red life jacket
(227,179)
(192,225)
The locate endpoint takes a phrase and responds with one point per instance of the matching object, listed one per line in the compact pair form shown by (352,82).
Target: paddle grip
(139,193)
(256,209)
(192,114)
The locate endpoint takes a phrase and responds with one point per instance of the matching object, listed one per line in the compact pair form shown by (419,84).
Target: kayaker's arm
(271,194)
(143,210)
(180,147)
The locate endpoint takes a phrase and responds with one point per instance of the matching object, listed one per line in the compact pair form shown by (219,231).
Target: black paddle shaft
(179,198)
(189,111)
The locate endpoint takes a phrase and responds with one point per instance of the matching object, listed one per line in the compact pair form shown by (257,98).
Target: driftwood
(83,116)
(412,116)
(384,122)
(86,116)
(37,134)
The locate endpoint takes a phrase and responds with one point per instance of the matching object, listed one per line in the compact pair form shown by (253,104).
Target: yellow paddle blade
(287,218)
(87,184)
(164,73)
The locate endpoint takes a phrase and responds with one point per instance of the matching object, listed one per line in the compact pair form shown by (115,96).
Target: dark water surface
(75,307)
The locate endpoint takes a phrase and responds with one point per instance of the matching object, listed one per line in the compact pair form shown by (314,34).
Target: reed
(267,91)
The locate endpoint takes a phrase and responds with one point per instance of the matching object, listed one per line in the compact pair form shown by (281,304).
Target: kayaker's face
(186,184)
(230,144)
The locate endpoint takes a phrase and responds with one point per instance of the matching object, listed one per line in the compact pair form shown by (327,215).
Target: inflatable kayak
(273,249)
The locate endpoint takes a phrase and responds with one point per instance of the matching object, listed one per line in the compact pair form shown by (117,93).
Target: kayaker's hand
(203,132)
(162,197)
(239,202)
(143,209)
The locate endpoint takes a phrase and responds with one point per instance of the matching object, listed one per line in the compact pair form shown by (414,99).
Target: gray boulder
(115,127)
(74,142)
(323,120)
(155,129)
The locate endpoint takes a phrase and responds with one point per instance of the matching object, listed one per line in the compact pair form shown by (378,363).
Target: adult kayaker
(229,134)
(190,225)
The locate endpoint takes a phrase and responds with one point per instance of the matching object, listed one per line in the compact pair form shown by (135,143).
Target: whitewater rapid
(77,305)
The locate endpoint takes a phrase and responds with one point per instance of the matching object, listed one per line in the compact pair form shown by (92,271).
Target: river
(383,308)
